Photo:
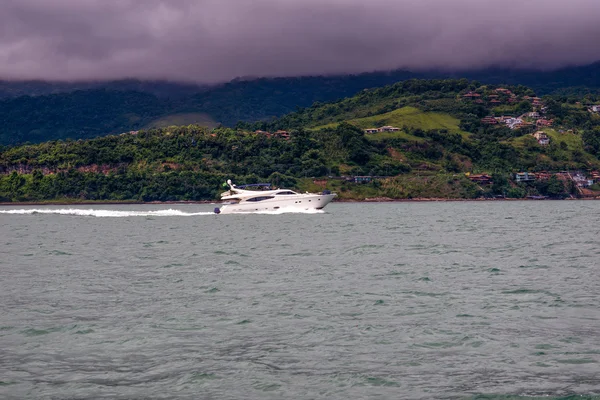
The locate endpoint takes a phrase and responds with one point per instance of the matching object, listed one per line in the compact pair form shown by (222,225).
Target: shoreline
(190,202)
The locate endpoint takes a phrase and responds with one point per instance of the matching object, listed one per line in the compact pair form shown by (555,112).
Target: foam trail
(104,213)
(84,212)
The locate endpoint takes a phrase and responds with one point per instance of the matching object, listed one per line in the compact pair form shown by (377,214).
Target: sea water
(395,300)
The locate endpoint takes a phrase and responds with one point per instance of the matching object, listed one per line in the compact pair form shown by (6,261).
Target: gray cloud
(217,40)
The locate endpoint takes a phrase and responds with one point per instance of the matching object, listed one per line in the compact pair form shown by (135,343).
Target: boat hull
(293,203)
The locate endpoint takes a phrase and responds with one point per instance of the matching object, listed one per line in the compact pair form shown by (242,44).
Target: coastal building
(581,180)
(482,179)
(363,179)
(524,177)
(371,130)
(595,109)
(542,176)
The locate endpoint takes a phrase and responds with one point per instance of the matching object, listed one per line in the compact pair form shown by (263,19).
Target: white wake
(83,212)
(105,213)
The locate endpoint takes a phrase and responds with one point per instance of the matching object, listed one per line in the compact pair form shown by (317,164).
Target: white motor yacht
(238,199)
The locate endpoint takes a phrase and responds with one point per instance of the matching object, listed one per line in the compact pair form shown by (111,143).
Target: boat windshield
(260,198)
(285,193)
(254,186)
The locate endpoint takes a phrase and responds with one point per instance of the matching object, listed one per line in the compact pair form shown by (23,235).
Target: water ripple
(400,300)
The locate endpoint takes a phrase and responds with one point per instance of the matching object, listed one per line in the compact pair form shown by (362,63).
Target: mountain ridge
(134,104)
(452,139)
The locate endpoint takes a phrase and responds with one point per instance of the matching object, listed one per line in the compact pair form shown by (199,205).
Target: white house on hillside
(541,138)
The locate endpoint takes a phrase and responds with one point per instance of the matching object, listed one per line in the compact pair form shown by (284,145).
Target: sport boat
(239,199)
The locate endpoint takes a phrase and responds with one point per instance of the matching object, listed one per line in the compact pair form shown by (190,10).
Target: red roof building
(489,120)
(544,122)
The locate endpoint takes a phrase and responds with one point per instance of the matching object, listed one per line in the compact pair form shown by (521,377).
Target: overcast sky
(217,40)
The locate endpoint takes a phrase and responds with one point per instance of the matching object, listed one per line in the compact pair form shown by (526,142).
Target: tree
(523,107)
(555,188)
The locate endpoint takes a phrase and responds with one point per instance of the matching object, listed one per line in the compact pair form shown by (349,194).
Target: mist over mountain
(37,111)
(215,41)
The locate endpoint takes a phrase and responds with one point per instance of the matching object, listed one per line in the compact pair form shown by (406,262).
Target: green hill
(77,115)
(35,111)
(406,117)
(443,138)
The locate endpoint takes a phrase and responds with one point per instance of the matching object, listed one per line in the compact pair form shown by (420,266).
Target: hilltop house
(513,123)
(544,122)
(503,90)
(386,128)
(595,109)
(489,120)
(541,138)
(282,134)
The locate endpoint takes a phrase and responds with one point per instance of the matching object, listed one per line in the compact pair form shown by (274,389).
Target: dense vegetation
(442,139)
(90,109)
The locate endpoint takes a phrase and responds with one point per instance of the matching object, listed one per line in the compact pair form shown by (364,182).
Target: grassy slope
(572,140)
(409,117)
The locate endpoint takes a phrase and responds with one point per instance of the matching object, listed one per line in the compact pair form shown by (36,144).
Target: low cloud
(217,40)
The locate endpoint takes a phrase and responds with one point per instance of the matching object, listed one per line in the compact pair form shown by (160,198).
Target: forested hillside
(77,115)
(88,109)
(417,138)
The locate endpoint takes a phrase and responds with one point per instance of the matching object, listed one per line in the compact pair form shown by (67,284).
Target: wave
(104,213)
